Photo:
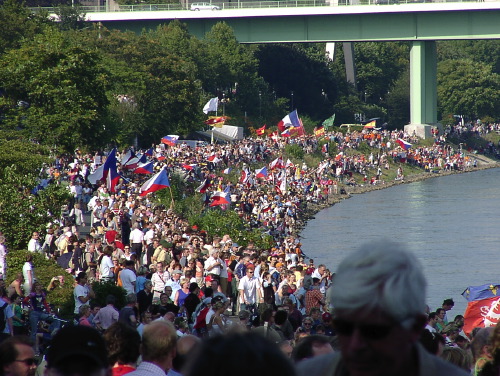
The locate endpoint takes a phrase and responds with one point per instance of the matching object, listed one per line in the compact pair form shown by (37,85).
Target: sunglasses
(29,362)
(374,332)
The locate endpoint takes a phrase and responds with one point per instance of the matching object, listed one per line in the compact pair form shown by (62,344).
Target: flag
(262,173)
(127,157)
(261,131)
(149,152)
(483,309)
(277,163)
(188,167)
(289,163)
(134,162)
(157,182)
(170,140)
(324,148)
(112,179)
(329,122)
(319,132)
(405,145)
(290,120)
(213,158)
(104,170)
(204,186)
(144,168)
(96,175)
(245,176)
(216,121)
(219,198)
(286,133)
(274,136)
(211,105)
(370,125)
(227,170)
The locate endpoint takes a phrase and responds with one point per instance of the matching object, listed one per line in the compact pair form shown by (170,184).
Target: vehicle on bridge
(204,6)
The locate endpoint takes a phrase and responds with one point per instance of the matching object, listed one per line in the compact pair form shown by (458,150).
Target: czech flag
(245,176)
(219,198)
(286,133)
(262,173)
(483,309)
(227,170)
(405,145)
(157,182)
(204,186)
(127,157)
(144,168)
(149,152)
(170,140)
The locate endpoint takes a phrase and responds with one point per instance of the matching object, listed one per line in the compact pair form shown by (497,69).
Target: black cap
(81,341)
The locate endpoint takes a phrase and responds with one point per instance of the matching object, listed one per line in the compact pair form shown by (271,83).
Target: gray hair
(382,276)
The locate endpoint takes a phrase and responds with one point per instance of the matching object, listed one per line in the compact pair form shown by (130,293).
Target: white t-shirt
(26,268)
(249,287)
(77,292)
(106,267)
(128,278)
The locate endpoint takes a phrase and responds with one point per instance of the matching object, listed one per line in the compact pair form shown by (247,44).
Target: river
(450,223)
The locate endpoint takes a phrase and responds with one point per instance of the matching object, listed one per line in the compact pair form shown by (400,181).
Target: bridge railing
(240,4)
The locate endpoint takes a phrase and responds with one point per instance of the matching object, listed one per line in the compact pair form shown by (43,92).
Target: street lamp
(292,101)
(260,105)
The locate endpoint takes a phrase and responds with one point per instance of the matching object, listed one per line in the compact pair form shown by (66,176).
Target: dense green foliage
(21,211)
(44,271)
(69,83)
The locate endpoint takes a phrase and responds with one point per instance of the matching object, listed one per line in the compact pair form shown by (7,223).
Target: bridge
(317,21)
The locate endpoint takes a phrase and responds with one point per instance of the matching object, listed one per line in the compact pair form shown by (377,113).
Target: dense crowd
(206,285)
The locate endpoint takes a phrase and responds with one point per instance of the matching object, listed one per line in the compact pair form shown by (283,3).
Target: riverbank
(312,209)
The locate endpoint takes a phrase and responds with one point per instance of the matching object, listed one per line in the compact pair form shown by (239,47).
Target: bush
(103,289)
(45,270)
(294,151)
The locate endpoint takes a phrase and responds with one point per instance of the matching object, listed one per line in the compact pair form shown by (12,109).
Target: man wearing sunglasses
(379,300)
(17,357)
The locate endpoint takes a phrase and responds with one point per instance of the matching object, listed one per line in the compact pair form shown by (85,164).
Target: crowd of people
(192,286)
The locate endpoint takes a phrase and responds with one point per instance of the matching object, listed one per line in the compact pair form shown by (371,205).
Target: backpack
(3,319)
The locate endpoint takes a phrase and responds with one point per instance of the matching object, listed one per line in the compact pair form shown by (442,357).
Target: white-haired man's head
(380,277)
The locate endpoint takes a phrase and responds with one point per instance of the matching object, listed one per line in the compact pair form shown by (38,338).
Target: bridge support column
(423,88)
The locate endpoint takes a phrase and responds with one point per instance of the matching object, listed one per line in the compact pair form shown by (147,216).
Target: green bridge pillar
(423,87)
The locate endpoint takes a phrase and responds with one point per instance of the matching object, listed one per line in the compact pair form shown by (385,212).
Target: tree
(21,210)
(468,87)
(64,87)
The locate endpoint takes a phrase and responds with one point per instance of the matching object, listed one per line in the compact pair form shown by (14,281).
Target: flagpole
(172,196)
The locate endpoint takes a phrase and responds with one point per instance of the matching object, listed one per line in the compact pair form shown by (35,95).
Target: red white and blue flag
(261,173)
(204,186)
(170,140)
(127,157)
(144,168)
(483,309)
(290,120)
(107,172)
(227,170)
(219,198)
(157,182)
(149,152)
(405,145)
(245,176)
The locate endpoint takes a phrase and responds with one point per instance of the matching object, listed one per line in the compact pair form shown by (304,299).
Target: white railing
(238,4)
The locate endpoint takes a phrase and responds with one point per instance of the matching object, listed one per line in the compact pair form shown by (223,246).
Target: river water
(450,223)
